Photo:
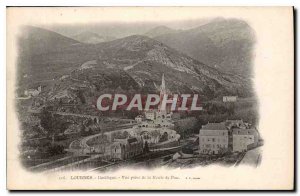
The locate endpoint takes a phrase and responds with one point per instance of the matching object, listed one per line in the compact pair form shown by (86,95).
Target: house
(122,149)
(150,136)
(146,124)
(229,98)
(244,139)
(235,123)
(139,118)
(150,115)
(33,92)
(213,138)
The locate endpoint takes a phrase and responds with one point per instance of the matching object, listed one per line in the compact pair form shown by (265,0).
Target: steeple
(163,85)
(162,91)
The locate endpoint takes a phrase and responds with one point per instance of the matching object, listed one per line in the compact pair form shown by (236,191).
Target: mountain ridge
(92,38)
(135,62)
(159,30)
(225,44)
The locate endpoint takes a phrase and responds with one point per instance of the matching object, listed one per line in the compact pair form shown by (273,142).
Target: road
(252,157)
(152,160)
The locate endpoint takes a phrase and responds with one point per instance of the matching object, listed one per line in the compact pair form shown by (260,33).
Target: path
(252,157)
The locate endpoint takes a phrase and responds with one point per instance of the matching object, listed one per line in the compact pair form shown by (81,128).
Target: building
(122,149)
(235,123)
(33,92)
(244,139)
(213,138)
(139,118)
(162,92)
(150,136)
(150,115)
(229,98)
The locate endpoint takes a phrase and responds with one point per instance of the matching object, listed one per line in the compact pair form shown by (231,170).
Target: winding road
(252,157)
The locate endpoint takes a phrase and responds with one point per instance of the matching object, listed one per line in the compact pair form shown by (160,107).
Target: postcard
(150,98)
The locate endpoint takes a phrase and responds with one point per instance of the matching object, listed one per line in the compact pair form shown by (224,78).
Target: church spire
(163,84)
(162,90)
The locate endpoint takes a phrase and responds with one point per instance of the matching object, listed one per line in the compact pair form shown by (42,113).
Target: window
(213,139)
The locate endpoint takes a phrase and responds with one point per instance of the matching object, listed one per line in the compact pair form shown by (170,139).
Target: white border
(5,3)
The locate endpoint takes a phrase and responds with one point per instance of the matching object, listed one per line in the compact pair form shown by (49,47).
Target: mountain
(225,44)
(131,64)
(160,30)
(92,38)
(44,55)
(35,40)
(137,63)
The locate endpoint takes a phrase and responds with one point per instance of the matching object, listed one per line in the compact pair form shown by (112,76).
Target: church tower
(163,92)
(163,86)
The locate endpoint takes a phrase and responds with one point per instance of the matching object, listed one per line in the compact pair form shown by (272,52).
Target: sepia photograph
(100,96)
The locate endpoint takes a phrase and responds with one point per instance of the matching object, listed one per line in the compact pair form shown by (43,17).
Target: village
(153,138)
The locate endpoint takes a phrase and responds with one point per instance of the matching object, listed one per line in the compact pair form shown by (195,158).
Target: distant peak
(138,38)
(159,30)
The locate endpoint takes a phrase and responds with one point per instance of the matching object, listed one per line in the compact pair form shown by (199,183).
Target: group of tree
(187,126)
(164,137)
(53,150)
(146,147)
(219,108)
(51,123)
(120,135)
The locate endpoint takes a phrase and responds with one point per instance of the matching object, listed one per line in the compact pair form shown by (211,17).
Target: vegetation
(52,124)
(146,147)
(187,126)
(55,150)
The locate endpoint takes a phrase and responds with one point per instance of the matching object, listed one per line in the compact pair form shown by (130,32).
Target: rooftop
(238,131)
(215,126)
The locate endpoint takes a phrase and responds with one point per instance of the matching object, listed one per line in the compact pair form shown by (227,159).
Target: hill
(131,64)
(36,40)
(92,38)
(45,55)
(138,62)
(160,30)
(225,44)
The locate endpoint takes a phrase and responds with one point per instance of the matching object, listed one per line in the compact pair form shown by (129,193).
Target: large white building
(213,138)
(244,139)
(229,98)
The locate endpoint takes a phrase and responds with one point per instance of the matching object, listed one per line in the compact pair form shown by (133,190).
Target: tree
(224,151)
(53,125)
(164,137)
(125,134)
(46,120)
(187,126)
(146,147)
(55,150)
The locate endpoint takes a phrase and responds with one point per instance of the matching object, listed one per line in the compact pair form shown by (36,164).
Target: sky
(122,29)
